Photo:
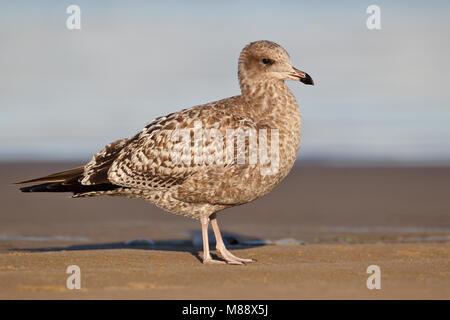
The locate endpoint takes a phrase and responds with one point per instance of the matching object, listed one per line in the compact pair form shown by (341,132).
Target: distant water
(380,96)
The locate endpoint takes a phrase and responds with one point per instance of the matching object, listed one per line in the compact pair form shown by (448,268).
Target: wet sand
(350,218)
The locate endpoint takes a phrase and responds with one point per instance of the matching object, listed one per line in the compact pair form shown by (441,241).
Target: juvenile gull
(143,166)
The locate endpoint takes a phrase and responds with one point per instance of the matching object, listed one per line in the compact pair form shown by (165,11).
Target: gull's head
(268,61)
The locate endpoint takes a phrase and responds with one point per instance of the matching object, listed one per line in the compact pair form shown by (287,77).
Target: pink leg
(220,245)
(207,259)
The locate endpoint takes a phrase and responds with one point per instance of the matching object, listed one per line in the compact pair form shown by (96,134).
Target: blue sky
(380,95)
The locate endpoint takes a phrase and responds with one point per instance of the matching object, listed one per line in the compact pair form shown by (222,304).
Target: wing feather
(146,162)
(96,171)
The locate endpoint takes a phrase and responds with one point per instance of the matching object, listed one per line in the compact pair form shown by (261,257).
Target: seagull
(146,166)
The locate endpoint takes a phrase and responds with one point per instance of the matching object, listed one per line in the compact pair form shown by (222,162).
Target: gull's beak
(302,76)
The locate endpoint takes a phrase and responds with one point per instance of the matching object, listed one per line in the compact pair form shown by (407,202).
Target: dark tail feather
(65,181)
(76,188)
(44,187)
(63,176)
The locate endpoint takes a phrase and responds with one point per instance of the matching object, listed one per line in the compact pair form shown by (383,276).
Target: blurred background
(381,96)
(373,169)
(379,113)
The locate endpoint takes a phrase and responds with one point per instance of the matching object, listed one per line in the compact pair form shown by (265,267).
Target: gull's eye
(267,61)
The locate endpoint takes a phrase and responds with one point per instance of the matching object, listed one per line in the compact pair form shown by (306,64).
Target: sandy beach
(314,237)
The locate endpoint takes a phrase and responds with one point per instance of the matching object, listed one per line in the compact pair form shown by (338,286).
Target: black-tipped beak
(307,79)
(304,77)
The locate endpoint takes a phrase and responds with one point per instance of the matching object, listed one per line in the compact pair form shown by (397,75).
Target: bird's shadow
(193,246)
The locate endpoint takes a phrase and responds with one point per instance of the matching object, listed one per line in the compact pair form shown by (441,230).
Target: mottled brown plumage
(143,166)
